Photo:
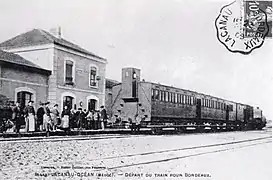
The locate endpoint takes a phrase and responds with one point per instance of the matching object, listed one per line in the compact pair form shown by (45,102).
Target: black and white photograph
(136,89)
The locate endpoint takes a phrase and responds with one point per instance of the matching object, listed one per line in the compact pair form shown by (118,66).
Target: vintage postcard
(136,89)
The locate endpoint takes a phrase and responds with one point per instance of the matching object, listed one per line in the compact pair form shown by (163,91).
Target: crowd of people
(50,119)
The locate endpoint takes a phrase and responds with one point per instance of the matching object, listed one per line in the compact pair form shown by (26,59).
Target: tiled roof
(40,37)
(16,59)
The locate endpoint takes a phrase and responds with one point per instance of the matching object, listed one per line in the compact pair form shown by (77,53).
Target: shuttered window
(69,72)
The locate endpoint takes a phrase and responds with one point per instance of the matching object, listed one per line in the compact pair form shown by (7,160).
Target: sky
(173,42)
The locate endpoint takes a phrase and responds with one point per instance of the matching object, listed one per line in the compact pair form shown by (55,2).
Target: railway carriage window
(167,96)
(175,98)
(159,94)
(162,96)
(191,100)
(156,94)
(153,94)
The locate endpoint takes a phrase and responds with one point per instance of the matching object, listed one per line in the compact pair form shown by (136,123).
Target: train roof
(167,86)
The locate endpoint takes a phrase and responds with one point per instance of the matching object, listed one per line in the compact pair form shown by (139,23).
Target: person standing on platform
(89,119)
(97,120)
(17,116)
(40,113)
(133,123)
(55,117)
(103,117)
(138,121)
(80,118)
(66,115)
(30,117)
(47,119)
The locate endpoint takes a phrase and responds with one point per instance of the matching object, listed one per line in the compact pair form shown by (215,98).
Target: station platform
(71,133)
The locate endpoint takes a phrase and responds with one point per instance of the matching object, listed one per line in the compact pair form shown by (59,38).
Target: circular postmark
(242,26)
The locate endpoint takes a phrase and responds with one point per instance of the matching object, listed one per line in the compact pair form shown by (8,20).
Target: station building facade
(22,80)
(77,76)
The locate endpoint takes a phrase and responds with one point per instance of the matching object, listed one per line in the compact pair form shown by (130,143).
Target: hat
(79,108)
(55,105)
(47,103)
(102,107)
(30,101)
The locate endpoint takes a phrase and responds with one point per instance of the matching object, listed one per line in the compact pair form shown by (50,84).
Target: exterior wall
(52,57)
(79,97)
(41,55)
(14,80)
(81,87)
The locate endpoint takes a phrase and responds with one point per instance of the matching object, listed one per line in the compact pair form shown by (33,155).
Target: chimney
(57,32)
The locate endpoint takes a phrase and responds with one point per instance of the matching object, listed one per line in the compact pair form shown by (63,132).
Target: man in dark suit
(17,116)
(103,115)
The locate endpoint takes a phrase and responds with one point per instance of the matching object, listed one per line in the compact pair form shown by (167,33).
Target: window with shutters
(69,72)
(93,76)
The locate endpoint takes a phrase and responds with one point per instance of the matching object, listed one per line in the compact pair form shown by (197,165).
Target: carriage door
(198,109)
(227,112)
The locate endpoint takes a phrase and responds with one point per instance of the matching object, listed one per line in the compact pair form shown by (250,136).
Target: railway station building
(50,68)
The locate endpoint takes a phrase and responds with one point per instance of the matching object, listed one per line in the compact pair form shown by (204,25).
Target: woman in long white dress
(30,117)
(65,118)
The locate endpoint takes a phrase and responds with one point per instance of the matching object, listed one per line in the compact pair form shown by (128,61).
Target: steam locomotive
(162,106)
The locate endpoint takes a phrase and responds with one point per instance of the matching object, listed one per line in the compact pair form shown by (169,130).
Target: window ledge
(69,84)
(94,87)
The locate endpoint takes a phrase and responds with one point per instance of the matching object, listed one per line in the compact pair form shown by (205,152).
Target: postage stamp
(257,14)
(242,26)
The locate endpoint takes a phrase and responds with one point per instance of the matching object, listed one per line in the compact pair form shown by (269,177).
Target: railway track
(156,156)
(152,157)
(65,138)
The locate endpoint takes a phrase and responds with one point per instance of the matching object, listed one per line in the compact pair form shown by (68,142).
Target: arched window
(68,101)
(23,97)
